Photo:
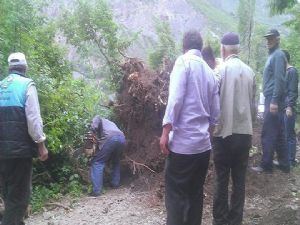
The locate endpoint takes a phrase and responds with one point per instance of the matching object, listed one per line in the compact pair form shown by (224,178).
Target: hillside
(138,16)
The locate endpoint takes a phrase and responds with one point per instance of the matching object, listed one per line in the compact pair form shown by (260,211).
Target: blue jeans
(111,150)
(273,138)
(290,136)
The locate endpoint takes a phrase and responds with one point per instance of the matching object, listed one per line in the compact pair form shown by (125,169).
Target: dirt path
(120,206)
(272,199)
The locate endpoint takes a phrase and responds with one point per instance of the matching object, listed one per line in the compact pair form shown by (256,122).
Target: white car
(261,106)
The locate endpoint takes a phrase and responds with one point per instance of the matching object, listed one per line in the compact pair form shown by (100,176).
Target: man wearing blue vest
(21,138)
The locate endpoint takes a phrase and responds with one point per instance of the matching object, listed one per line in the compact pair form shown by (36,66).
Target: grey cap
(272,32)
(230,38)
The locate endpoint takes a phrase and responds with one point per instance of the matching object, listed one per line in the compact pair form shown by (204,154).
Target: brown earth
(141,104)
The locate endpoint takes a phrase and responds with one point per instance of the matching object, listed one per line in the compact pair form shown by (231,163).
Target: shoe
(275,163)
(114,186)
(260,169)
(284,169)
(294,163)
(93,194)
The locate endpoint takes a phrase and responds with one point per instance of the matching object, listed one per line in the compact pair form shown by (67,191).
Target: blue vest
(15,142)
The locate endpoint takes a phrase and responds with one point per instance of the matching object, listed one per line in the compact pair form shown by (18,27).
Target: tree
(279,6)
(90,26)
(246,11)
(67,105)
(165,50)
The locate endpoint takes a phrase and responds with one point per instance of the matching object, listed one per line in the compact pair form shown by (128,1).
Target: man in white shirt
(21,138)
(192,110)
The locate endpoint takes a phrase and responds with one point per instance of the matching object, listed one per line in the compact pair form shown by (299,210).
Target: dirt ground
(272,199)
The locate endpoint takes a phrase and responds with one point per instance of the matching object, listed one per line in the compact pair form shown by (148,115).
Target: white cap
(16,59)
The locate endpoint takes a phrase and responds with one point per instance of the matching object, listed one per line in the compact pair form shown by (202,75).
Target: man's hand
(43,151)
(164,139)
(164,142)
(273,108)
(211,131)
(289,111)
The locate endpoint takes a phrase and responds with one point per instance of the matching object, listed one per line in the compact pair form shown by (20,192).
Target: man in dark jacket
(110,144)
(290,113)
(21,135)
(273,137)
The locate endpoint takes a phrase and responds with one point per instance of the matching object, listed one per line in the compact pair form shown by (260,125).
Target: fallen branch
(56,204)
(138,164)
(43,174)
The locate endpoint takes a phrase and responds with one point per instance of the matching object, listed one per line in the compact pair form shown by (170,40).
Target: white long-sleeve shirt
(33,115)
(193,104)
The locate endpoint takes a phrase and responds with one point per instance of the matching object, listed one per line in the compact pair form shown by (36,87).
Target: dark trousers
(16,188)
(230,157)
(290,136)
(185,177)
(273,138)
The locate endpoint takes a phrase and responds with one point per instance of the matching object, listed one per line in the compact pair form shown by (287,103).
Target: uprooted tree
(141,92)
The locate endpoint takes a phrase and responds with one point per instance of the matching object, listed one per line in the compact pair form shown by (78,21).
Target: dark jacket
(15,141)
(274,76)
(292,87)
(105,130)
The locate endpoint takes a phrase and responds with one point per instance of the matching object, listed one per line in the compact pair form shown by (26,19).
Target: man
(232,138)
(209,57)
(21,135)
(273,137)
(192,111)
(290,113)
(110,144)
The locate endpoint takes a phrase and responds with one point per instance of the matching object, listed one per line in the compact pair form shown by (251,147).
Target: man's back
(236,98)
(15,141)
(292,86)
(193,104)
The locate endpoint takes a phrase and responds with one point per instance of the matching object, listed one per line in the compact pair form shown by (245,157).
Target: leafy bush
(165,48)
(67,105)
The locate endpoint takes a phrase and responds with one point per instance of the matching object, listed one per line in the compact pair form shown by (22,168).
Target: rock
(47,215)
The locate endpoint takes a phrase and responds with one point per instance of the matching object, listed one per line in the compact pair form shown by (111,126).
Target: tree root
(137,164)
(56,204)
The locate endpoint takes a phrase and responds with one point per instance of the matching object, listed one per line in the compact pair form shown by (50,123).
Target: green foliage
(279,6)
(246,12)
(42,194)
(55,191)
(67,105)
(90,27)
(17,21)
(166,47)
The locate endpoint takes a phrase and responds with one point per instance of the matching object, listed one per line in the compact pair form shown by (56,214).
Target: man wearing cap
(192,110)
(233,134)
(274,85)
(21,138)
